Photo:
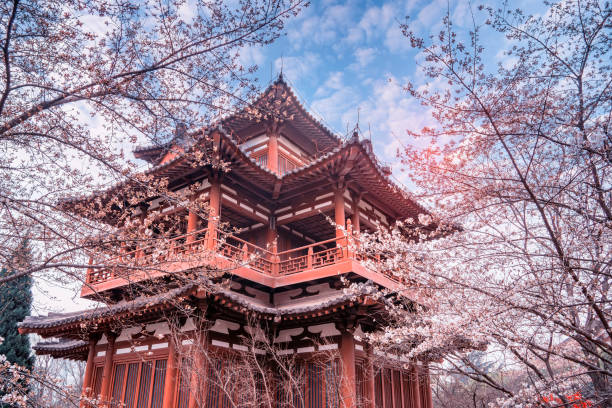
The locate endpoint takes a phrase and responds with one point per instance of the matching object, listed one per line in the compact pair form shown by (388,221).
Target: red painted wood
(273,152)
(89,368)
(214,211)
(108,369)
(425,388)
(192,225)
(171,374)
(416,389)
(348,390)
(369,377)
(339,217)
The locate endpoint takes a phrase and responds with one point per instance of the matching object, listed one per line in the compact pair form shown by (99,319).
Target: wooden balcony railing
(198,245)
(175,249)
(243,252)
(312,256)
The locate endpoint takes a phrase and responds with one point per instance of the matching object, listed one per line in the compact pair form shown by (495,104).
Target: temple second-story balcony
(221,254)
(283,216)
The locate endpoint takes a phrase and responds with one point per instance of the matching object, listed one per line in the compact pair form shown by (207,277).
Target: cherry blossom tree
(516,259)
(81,82)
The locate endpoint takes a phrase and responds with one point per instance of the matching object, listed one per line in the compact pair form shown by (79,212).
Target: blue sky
(345,58)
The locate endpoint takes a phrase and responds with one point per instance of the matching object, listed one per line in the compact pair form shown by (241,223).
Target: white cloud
(324,28)
(337,107)
(355,35)
(335,101)
(300,32)
(390,111)
(334,81)
(431,13)
(187,11)
(507,61)
(376,19)
(409,6)
(461,15)
(251,56)
(395,40)
(95,24)
(294,68)
(363,56)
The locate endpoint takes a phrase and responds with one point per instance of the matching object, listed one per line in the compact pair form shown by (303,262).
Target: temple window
(184,383)
(397,388)
(388,388)
(315,385)
(132,376)
(361,384)
(378,390)
(261,159)
(145,381)
(285,165)
(118,385)
(157,396)
(332,383)
(98,374)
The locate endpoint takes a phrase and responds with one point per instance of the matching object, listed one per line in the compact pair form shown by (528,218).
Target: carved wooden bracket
(304,293)
(238,332)
(270,329)
(307,334)
(143,333)
(242,290)
(347,325)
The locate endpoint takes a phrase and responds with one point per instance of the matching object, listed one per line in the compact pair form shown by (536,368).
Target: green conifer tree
(15,305)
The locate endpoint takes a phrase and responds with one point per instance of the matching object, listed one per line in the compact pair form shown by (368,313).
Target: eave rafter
(351,162)
(234,307)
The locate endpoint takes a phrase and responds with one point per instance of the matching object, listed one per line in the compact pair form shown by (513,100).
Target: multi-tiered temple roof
(281,262)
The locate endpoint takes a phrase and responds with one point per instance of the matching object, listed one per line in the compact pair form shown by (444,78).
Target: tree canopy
(517,169)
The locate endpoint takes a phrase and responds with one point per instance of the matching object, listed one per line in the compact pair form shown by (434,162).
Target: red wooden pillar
(349,242)
(272,243)
(348,389)
(414,386)
(355,220)
(339,217)
(273,151)
(107,371)
(426,388)
(271,232)
(214,210)
(369,377)
(198,386)
(171,374)
(89,368)
(192,225)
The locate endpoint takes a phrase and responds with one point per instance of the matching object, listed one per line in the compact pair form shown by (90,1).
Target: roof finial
(280,75)
(355,136)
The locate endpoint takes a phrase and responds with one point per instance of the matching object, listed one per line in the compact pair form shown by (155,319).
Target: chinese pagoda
(283,217)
